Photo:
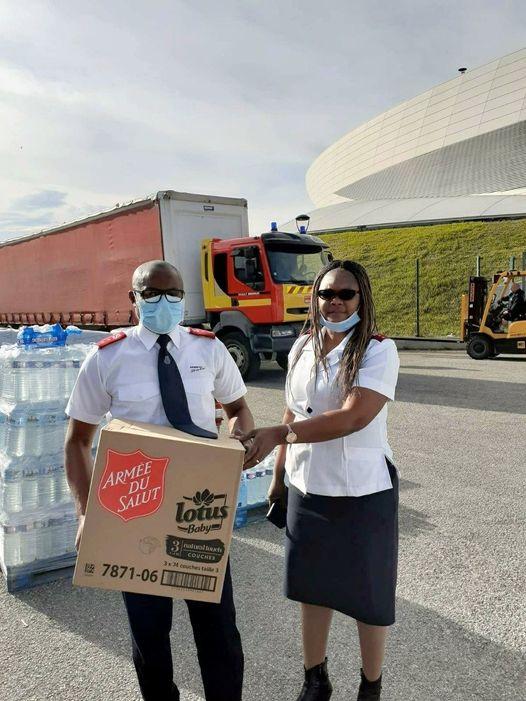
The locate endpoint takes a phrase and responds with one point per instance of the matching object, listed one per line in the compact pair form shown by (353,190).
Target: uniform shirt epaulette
(111,339)
(379,337)
(202,332)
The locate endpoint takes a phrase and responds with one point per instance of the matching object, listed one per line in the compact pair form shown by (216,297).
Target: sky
(108,101)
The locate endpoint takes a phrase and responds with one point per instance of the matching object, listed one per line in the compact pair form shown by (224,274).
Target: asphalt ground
(458,429)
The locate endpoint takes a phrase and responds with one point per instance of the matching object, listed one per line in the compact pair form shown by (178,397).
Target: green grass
(447,254)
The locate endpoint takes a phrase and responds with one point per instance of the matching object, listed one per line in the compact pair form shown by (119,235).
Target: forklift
(486,324)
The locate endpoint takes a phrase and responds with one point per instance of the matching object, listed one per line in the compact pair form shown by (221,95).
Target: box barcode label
(185,580)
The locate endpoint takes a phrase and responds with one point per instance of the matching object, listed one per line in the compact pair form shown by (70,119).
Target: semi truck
(253,292)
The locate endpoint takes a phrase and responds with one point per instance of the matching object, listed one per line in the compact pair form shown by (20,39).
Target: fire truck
(253,292)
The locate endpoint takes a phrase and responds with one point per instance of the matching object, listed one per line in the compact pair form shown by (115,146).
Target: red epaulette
(111,339)
(379,337)
(202,332)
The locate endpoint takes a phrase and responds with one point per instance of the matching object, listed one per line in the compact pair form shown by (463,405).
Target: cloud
(109,101)
(45,199)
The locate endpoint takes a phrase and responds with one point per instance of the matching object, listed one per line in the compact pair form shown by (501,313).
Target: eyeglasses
(345,295)
(151,295)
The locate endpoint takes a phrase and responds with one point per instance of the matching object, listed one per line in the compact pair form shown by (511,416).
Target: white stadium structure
(455,152)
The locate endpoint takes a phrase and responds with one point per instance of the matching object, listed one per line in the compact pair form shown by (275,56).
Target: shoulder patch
(201,332)
(379,337)
(111,339)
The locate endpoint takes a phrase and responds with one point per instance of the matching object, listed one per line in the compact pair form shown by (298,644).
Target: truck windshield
(295,264)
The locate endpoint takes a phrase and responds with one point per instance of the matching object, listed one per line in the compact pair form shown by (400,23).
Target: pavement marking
(260,544)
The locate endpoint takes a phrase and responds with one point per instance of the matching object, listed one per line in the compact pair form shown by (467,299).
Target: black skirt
(342,552)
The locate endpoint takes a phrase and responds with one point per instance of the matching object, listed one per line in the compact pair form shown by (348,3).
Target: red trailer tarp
(79,274)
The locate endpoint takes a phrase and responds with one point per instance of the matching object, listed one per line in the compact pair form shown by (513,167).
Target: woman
(342,515)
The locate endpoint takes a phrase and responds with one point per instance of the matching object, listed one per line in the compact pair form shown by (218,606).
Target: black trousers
(216,637)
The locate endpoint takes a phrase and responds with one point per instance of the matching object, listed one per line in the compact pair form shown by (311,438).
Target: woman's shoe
(369,691)
(317,686)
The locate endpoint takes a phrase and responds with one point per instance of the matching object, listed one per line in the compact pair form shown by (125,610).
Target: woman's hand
(277,490)
(260,442)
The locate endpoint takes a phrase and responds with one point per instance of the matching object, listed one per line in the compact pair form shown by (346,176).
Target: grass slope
(447,254)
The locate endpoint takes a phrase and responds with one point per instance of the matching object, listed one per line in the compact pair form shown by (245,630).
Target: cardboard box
(160,512)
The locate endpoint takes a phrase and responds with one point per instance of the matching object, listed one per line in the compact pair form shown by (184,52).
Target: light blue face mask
(161,317)
(340,326)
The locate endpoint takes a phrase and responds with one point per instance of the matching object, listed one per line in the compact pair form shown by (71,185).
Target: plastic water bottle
(241,510)
(28,545)
(44,368)
(73,358)
(43,539)
(11,490)
(12,545)
(2,429)
(269,473)
(47,485)
(62,492)
(35,430)
(70,531)
(52,431)
(251,487)
(30,477)
(15,432)
(58,536)
(16,386)
(260,485)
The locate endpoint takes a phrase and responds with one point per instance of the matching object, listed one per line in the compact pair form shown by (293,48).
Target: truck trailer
(253,292)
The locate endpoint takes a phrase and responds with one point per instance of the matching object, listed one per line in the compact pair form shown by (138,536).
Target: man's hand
(237,435)
(260,442)
(240,419)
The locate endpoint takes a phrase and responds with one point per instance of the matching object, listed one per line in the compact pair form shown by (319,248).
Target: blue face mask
(340,326)
(161,317)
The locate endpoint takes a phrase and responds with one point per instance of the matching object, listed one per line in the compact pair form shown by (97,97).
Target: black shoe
(317,686)
(369,691)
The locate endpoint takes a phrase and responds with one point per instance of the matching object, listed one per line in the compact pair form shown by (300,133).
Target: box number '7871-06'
(181,580)
(123,571)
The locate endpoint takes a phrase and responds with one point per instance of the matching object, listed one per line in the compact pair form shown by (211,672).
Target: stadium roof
(410,212)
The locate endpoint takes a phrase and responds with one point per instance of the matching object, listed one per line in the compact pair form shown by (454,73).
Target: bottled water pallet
(253,515)
(257,513)
(42,572)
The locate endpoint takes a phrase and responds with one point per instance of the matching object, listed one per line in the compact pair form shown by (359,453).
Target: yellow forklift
(494,321)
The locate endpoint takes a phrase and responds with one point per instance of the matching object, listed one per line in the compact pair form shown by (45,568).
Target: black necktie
(173,393)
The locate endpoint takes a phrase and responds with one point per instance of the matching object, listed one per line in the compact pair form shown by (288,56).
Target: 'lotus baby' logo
(132,484)
(205,514)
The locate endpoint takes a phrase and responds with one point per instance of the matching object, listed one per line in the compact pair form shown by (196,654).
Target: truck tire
(282,359)
(480,348)
(239,348)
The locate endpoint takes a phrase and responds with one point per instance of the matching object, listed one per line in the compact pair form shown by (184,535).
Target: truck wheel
(246,360)
(282,360)
(480,348)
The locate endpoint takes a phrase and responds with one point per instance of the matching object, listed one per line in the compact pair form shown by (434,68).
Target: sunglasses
(345,295)
(152,295)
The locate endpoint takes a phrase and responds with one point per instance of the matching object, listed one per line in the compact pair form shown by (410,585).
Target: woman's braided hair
(355,349)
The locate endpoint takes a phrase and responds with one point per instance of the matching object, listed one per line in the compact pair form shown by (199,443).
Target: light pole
(302,223)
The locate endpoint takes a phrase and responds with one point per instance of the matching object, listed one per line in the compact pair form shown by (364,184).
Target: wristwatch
(291,437)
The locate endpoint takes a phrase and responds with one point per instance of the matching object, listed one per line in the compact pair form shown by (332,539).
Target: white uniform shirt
(121,379)
(355,464)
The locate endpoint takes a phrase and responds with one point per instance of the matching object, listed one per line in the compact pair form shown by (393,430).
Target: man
(132,375)
(516,307)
